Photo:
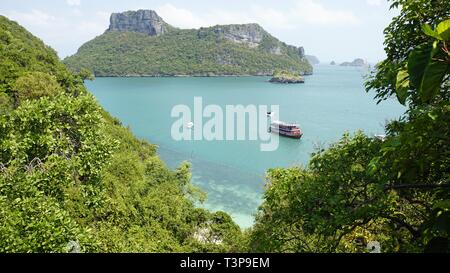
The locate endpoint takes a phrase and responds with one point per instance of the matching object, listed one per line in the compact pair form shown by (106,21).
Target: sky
(329,29)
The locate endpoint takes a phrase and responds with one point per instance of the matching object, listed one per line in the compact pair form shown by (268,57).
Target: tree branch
(418,186)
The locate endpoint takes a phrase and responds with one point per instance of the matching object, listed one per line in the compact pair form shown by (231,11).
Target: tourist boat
(286,129)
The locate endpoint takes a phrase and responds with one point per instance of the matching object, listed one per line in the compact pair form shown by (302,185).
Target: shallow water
(331,102)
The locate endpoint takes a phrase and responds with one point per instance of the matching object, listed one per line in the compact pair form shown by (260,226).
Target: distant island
(312,59)
(140,43)
(284,76)
(333,63)
(356,62)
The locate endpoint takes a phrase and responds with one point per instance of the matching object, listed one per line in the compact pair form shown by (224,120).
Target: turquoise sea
(331,102)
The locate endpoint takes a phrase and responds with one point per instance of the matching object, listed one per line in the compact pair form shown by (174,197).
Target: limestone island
(356,62)
(285,76)
(141,44)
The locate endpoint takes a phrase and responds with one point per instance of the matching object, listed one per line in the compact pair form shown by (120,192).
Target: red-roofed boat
(291,130)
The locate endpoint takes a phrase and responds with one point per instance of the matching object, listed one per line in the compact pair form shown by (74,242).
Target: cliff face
(143,21)
(252,35)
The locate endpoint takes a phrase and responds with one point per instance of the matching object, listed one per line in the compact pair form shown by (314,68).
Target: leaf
(444,204)
(443,30)
(402,86)
(417,62)
(425,72)
(430,32)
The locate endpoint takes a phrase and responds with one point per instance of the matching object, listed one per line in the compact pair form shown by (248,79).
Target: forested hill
(72,178)
(140,43)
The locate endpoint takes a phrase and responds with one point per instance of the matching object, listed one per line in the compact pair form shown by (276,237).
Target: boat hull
(290,134)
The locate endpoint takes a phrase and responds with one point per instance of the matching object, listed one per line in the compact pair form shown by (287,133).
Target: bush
(34,85)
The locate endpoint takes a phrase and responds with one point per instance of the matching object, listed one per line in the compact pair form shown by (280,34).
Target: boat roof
(282,123)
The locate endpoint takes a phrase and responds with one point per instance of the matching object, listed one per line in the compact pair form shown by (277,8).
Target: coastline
(190,75)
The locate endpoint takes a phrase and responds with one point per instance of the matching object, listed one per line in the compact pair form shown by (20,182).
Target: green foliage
(69,172)
(86,74)
(34,85)
(5,103)
(402,86)
(427,65)
(182,52)
(441,33)
(287,75)
(394,191)
(319,209)
(408,31)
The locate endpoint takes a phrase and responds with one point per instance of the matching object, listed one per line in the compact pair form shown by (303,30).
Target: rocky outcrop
(284,80)
(143,21)
(252,35)
(285,76)
(356,62)
(300,51)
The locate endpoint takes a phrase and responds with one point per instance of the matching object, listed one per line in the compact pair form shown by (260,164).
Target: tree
(394,191)
(35,84)
(86,74)
(403,35)
(72,174)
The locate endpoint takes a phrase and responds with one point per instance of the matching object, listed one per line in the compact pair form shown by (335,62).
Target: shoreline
(188,76)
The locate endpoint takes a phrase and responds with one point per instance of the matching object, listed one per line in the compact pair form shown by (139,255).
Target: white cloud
(64,32)
(314,13)
(179,17)
(374,2)
(278,19)
(303,12)
(271,17)
(73,2)
(35,17)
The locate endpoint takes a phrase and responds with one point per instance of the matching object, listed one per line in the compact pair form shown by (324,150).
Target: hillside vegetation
(365,194)
(200,52)
(71,175)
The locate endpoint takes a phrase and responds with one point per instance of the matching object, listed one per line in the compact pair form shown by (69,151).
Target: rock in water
(356,62)
(143,21)
(285,76)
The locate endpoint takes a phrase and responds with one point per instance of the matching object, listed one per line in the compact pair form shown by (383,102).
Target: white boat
(286,129)
(381,137)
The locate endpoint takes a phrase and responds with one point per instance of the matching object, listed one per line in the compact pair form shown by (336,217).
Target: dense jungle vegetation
(395,191)
(182,52)
(72,174)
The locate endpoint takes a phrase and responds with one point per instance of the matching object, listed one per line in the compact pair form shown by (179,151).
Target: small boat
(381,137)
(291,130)
(189,125)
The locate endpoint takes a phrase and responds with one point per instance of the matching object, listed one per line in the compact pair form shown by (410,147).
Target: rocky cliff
(252,35)
(143,21)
